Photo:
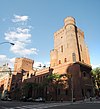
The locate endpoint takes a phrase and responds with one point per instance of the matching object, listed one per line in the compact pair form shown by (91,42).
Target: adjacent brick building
(5,80)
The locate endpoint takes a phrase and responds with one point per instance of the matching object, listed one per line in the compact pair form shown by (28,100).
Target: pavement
(52,104)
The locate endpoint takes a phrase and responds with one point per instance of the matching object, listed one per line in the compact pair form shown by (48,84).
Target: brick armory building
(70,56)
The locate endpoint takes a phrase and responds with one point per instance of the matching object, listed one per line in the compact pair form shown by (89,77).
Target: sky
(30,25)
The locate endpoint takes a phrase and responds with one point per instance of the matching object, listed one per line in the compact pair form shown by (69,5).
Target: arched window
(31,75)
(84,73)
(27,75)
(74,57)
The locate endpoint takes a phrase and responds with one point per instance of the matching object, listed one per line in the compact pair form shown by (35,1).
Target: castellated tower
(69,45)
(70,57)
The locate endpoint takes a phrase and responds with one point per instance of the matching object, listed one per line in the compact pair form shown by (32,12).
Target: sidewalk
(89,100)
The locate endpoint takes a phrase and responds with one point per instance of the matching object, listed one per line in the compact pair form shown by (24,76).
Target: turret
(69,20)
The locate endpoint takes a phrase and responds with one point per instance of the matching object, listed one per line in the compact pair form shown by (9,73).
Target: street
(57,105)
(79,106)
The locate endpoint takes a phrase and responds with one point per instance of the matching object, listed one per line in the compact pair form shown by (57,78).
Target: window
(82,60)
(41,79)
(31,75)
(59,61)
(74,57)
(44,77)
(84,73)
(61,48)
(80,47)
(35,80)
(66,92)
(12,88)
(47,75)
(82,92)
(38,79)
(58,91)
(65,60)
(8,82)
(27,75)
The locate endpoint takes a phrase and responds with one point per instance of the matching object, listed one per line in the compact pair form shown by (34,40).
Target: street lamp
(7,42)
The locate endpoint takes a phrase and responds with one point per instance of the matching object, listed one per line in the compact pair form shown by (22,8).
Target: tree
(96,80)
(28,87)
(56,81)
(96,75)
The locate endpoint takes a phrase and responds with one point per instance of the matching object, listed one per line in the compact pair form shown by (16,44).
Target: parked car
(40,99)
(24,99)
(6,99)
(30,99)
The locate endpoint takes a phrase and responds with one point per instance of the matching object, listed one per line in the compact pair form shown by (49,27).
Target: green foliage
(55,80)
(96,75)
(29,85)
(96,71)
(53,77)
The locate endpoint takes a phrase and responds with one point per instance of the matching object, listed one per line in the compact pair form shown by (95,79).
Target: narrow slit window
(80,47)
(62,48)
(59,61)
